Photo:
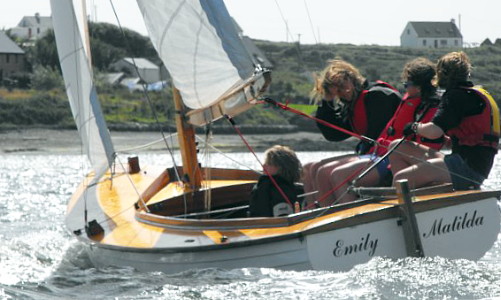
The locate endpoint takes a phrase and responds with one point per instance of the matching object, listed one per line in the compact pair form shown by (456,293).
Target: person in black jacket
(268,200)
(470,116)
(346,99)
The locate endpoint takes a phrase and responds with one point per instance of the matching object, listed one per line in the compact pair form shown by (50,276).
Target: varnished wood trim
(438,201)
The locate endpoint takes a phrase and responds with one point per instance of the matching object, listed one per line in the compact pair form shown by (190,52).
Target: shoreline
(66,141)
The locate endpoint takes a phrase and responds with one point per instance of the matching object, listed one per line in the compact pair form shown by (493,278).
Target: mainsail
(198,43)
(70,27)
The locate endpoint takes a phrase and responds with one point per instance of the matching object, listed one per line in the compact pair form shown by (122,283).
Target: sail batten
(198,43)
(69,20)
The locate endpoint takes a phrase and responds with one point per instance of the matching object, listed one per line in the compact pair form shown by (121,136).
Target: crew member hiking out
(346,99)
(470,116)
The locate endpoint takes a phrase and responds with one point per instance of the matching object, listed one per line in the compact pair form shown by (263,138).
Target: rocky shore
(49,141)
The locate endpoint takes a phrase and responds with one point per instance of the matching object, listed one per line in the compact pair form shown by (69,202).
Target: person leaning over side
(420,103)
(470,116)
(349,101)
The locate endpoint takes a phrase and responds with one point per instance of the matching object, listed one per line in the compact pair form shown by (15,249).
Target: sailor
(275,193)
(470,116)
(420,103)
(348,101)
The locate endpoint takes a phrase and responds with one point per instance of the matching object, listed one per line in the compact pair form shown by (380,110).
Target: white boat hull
(444,232)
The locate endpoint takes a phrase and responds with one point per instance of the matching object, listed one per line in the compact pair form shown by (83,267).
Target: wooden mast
(186,135)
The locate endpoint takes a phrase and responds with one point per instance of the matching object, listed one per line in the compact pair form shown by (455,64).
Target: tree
(46,78)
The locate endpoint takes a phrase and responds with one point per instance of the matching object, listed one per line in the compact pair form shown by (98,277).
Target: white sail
(70,28)
(198,43)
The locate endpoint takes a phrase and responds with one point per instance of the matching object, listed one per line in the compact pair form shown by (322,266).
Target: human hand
(410,128)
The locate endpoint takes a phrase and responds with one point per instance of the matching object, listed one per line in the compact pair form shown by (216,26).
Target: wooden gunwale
(422,203)
(389,209)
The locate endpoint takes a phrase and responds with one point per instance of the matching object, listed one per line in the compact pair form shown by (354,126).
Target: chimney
(453,21)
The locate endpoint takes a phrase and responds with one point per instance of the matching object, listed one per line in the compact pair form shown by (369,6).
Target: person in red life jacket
(276,196)
(420,103)
(470,116)
(348,101)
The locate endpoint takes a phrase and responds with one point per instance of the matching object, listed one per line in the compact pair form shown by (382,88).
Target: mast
(186,136)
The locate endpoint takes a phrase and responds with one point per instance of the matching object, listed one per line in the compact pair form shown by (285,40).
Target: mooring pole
(413,243)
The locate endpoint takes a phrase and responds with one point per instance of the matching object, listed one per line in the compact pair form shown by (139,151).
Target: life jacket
(358,119)
(481,129)
(409,110)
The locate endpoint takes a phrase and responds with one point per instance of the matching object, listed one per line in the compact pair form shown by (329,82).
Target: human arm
(428,130)
(381,104)
(259,205)
(334,115)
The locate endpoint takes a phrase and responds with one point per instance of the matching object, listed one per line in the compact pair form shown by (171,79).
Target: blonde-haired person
(420,103)
(346,99)
(283,165)
(470,116)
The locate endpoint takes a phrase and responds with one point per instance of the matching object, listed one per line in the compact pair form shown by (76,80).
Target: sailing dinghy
(193,216)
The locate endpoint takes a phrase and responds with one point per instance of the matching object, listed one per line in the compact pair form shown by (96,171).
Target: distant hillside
(292,81)
(293,64)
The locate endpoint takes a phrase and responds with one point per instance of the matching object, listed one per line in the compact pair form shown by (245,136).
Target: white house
(32,27)
(146,70)
(431,35)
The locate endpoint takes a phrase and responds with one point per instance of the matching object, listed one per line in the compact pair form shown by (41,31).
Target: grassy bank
(293,66)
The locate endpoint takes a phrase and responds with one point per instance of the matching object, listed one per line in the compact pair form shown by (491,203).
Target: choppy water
(40,260)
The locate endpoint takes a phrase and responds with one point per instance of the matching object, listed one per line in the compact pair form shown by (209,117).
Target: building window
(456,43)
(443,42)
(424,42)
(408,31)
(7,58)
(38,30)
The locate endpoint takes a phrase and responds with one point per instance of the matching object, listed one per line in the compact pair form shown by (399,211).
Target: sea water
(39,259)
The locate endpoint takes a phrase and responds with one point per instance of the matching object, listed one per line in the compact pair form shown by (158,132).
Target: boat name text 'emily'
(366,244)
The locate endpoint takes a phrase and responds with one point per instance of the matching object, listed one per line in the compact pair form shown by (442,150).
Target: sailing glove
(410,128)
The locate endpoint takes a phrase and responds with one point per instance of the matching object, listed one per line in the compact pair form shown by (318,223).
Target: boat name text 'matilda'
(441,226)
(366,244)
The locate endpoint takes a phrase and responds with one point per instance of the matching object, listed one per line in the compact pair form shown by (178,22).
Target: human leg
(424,173)
(306,179)
(462,176)
(410,153)
(340,174)
(324,173)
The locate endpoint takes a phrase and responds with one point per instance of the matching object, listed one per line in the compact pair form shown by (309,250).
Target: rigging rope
(311,23)
(298,112)
(346,180)
(233,124)
(145,93)
(362,137)
(147,96)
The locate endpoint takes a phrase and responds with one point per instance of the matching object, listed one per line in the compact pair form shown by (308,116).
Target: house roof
(436,29)
(8,46)
(31,21)
(113,78)
(141,63)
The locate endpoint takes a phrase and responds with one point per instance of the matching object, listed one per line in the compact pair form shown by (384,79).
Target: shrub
(46,78)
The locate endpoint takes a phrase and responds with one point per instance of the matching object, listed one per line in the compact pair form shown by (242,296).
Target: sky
(359,22)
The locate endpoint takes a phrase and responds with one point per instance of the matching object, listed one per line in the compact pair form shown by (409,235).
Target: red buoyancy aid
(358,119)
(406,113)
(481,129)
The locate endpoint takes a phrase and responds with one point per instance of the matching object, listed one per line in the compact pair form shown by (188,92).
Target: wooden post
(413,243)
(186,136)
